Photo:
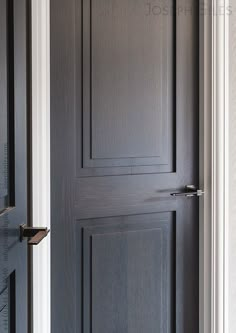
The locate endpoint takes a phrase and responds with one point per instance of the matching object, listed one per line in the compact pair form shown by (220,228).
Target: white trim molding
(41,162)
(214,112)
(220,158)
(232,171)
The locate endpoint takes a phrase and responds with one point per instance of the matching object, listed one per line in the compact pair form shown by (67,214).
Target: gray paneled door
(13,165)
(124,136)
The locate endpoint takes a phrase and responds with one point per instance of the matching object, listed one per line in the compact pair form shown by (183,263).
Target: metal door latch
(190,191)
(36,235)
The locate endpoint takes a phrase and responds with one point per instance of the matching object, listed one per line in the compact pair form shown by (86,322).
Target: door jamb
(213,166)
(41,162)
(214,144)
(220,168)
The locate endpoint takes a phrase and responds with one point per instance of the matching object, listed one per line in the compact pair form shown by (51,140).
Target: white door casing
(41,161)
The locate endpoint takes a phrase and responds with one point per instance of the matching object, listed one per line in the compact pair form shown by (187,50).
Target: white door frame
(214,143)
(220,170)
(41,162)
(213,165)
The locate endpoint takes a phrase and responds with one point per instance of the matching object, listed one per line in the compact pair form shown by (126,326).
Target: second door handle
(35,235)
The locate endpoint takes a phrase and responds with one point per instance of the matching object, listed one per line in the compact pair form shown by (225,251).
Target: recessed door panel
(126,255)
(124,130)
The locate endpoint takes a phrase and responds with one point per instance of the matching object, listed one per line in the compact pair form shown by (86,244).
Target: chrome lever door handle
(36,235)
(190,191)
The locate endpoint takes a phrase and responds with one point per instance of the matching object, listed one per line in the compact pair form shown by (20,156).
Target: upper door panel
(128,109)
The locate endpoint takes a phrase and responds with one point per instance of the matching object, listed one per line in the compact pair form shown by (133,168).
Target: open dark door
(13,165)
(124,147)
